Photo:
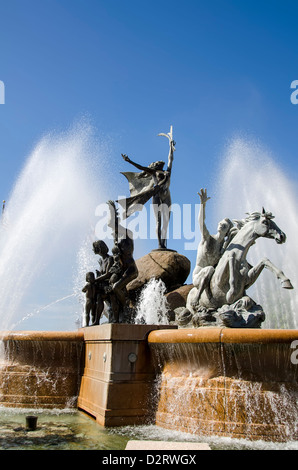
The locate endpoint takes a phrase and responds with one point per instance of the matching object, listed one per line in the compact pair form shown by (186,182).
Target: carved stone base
(244,313)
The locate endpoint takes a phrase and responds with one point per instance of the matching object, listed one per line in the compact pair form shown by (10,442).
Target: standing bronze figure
(153,182)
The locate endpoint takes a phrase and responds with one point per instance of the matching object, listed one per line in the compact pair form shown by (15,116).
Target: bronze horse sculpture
(233,274)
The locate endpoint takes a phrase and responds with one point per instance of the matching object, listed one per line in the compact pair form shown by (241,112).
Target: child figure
(115,271)
(91,293)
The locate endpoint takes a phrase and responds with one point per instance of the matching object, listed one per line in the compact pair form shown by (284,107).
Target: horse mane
(252,216)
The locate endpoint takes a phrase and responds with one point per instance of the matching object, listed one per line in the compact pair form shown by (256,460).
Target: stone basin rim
(165,335)
(223,335)
(41,336)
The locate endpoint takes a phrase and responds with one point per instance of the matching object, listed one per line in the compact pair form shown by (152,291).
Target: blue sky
(212,69)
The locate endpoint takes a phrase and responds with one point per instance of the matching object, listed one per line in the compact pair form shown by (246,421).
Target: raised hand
(203,196)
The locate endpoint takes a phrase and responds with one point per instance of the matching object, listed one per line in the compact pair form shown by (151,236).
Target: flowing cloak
(141,190)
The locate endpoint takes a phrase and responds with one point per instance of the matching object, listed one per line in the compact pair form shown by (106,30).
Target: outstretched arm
(171,155)
(202,216)
(172,148)
(140,167)
(118,231)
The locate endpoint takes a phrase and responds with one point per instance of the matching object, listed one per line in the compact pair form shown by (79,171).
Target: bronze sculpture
(218,297)
(153,182)
(210,249)
(123,241)
(222,273)
(101,281)
(90,290)
(109,287)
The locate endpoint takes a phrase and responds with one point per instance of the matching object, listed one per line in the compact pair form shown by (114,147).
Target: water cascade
(240,383)
(152,306)
(40,369)
(249,180)
(46,235)
(47,218)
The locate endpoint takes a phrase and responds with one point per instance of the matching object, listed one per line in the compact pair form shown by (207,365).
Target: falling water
(250,180)
(48,218)
(251,385)
(152,307)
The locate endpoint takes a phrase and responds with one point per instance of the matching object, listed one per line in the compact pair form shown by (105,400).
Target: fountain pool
(73,430)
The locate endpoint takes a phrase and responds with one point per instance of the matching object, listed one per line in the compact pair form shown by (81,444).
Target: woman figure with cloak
(153,182)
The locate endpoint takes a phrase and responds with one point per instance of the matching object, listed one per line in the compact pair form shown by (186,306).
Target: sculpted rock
(176,300)
(169,266)
(178,297)
(244,313)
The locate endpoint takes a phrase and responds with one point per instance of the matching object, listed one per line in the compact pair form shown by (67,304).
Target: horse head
(265,227)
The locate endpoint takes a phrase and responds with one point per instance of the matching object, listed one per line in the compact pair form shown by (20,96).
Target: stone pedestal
(117,386)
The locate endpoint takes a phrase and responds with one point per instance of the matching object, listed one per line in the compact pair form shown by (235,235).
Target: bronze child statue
(91,295)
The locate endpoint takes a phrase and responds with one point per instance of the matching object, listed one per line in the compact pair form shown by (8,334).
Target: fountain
(269,186)
(45,220)
(231,381)
(239,383)
(40,369)
(152,306)
(215,376)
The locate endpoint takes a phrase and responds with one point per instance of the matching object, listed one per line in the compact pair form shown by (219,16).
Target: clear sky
(210,68)
(213,69)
